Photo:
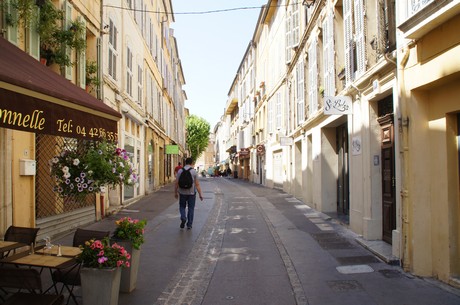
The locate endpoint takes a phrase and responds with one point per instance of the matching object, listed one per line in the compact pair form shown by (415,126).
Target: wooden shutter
(11,30)
(313,76)
(360,32)
(82,58)
(288,37)
(300,80)
(68,50)
(348,33)
(33,38)
(328,55)
(295,25)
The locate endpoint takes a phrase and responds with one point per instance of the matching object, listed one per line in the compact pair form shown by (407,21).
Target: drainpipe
(404,150)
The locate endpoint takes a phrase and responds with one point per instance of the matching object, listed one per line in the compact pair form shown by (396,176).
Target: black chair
(70,277)
(27,279)
(24,235)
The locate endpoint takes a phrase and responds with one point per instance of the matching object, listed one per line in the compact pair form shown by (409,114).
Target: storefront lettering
(64,126)
(32,121)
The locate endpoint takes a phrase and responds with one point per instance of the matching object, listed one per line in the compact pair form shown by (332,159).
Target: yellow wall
(23,186)
(431,83)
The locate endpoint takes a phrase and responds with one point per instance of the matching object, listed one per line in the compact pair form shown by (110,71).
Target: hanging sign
(172,149)
(337,105)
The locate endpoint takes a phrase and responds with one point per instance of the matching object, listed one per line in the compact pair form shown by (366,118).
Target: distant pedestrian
(177,168)
(187,195)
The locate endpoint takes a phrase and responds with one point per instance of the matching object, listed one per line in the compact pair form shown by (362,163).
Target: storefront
(41,113)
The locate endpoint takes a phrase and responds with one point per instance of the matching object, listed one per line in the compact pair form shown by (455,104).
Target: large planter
(129,275)
(100,286)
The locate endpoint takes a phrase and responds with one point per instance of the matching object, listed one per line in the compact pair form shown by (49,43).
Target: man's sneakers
(189,228)
(182,223)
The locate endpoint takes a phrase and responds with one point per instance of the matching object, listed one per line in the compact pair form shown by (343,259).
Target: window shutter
(278,110)
(328,55)
(359,14)
(300,80)
(313,76)
(348,33)
(82,59)
(295,25)
(288,37)
(33,39)
(11,31)
(68,50)
(270,116)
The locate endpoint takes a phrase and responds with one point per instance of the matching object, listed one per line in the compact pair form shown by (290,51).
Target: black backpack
(185,179)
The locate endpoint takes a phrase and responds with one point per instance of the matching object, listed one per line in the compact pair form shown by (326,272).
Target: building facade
(125,85)
(345,95)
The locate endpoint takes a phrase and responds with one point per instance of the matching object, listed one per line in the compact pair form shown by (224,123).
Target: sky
(211,47)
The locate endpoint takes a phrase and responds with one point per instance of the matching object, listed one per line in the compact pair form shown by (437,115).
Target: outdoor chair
(23,235)
(70,277)
(19,280)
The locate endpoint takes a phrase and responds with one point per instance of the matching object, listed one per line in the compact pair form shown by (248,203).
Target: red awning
(34,98)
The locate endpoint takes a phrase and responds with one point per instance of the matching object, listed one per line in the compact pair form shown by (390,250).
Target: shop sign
(172,149)
(27,113)
(337,105)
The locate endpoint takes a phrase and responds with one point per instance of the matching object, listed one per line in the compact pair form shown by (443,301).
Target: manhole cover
(344,285)
(391,274)
(357,260)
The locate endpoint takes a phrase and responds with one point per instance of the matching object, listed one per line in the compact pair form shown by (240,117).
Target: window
(113,50)
(129,71)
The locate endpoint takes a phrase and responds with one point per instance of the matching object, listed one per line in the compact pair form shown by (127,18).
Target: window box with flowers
(101,271)
(130,233)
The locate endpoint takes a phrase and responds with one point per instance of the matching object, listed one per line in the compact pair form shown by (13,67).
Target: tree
(198,130)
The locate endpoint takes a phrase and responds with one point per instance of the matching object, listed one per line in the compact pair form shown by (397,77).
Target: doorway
(343,202)
(386,121)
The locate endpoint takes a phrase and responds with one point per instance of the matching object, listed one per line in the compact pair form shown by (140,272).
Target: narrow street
(252,245)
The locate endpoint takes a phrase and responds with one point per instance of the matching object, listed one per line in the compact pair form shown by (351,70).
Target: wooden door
(388,178)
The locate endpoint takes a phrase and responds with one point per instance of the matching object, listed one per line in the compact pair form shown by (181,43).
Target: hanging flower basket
(98,165)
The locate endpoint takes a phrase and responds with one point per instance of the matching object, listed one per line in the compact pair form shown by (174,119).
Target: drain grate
(391,274)
(357,260)
(344,285)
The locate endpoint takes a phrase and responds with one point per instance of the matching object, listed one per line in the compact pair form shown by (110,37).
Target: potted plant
(130,234)
(101,271)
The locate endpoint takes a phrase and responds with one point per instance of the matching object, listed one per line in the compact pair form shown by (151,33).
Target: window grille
(47,202)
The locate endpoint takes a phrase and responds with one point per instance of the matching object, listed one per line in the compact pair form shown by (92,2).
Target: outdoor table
(7,246)
(48,261)
(66,251)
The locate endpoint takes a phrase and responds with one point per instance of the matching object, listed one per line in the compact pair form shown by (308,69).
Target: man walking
(186,190)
